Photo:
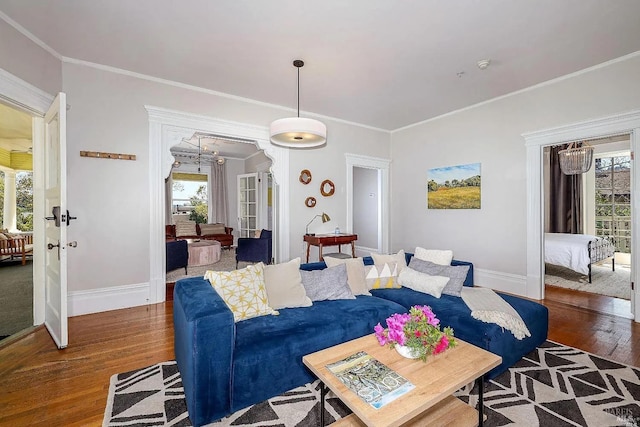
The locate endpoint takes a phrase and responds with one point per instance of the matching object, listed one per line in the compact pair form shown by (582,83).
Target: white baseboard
(500,281)
(106,299)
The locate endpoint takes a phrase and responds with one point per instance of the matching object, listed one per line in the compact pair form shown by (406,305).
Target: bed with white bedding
(576,251)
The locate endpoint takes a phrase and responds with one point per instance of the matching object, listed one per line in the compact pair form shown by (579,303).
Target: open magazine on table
(370,379)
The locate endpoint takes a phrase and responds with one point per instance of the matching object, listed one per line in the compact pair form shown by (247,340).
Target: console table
(321,240)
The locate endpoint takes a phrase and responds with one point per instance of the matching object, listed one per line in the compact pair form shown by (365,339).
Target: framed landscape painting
(454,187)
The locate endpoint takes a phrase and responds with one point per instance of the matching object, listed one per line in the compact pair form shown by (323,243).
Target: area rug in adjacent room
(554,385)
(604,281)
(227,263)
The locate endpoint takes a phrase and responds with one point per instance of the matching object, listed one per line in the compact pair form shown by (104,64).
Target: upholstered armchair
(255,249)
(177,255)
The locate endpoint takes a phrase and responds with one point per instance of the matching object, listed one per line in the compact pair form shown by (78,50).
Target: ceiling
(380,63)
(211,147)
(15,129)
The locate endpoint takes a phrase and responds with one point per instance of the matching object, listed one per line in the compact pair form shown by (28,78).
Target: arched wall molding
(383,166)
(624,123)
(166,129)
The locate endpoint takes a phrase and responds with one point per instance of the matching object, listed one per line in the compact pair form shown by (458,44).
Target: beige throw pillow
(434,255)
(211,229)
(422,282)
(399,258)
(355,273)
(186,228)
(284,285)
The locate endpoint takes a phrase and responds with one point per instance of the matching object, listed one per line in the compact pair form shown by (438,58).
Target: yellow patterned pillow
(243,291)
(382,276)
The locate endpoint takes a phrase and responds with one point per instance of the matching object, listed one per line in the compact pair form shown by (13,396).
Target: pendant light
(576,159)
(298,132)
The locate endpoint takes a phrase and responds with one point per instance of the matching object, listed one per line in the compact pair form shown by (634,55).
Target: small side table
(204,252)
(321,240)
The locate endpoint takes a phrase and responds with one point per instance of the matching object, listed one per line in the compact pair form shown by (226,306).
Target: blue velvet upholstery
(226,366)
(177,255)
(452,311)
(255,250)
(269,349)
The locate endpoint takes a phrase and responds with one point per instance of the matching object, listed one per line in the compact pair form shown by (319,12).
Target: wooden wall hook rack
(100,155)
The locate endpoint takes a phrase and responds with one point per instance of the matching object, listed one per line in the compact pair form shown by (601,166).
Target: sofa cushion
(355,273)
(211,229)
(328,284)
(242,290)
(452,311)
(186,228)
(382,276)
(456,274)
(284,285)
(421,282)
(269,349)
(434,255)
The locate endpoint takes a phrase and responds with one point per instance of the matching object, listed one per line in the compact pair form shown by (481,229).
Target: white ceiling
(381,63)
(15,129)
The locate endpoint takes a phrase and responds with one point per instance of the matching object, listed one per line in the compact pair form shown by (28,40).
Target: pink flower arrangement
(419,330)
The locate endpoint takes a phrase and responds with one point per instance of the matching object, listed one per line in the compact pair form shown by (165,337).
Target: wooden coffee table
(431,402)
(203,252)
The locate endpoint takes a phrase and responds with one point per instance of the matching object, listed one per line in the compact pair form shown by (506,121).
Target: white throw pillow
(355,273)
(186,228)
(284,285)
(242,290)
(421,282)
(434,255)
(399,258)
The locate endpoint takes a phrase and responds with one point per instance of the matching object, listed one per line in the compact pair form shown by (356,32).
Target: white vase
(407,352)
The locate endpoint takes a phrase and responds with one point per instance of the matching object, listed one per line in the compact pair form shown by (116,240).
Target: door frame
(383,168)
(535,142)
(25,97)
(167,128)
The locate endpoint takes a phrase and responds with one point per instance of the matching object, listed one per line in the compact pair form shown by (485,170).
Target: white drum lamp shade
(298,132)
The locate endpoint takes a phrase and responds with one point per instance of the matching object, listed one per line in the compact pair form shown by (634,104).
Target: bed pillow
(355,273)
(242,290)
(421,282)
(283,283)
(434,255)
(399,258)
(328,284)
(457,274)
(382,276)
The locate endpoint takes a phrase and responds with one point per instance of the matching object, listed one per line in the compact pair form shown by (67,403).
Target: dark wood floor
(40,385)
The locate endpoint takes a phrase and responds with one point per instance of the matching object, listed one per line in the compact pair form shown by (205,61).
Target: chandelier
(298,132)
(575,159)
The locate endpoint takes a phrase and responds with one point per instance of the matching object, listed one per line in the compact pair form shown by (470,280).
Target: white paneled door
(55,187)
(248,204)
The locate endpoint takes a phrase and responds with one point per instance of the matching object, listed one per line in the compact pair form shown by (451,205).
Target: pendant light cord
(298,91)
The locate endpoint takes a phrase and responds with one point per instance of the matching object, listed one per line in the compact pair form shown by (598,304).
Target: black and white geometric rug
(554,385)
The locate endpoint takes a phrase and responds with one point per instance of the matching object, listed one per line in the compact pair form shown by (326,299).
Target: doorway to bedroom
(587,222)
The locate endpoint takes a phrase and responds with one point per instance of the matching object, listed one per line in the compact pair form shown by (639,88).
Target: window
(24,200)
(613,199)
(189,196)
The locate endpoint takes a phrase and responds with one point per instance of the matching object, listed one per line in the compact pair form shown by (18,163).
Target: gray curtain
(218,194)
(565,198)
(168,196)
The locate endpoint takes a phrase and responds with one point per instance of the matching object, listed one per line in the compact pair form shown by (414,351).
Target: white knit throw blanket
(489,307)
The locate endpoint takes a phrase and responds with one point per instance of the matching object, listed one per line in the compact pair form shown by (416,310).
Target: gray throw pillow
(328,284)
(456,274)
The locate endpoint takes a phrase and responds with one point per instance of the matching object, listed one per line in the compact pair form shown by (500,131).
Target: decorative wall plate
(310,202)
(305,176)
(327,188)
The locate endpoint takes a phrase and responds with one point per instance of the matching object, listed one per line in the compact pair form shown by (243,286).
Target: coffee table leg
(480,383)
(323,394)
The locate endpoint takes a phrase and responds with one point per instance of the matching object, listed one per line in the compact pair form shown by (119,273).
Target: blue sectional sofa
(227,366)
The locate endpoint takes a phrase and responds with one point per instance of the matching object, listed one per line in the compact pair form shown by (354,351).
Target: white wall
(111,198)
(494,237)
(28,61)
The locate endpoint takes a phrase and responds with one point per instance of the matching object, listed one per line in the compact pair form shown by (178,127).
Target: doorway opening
(16,220)
(587,225)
